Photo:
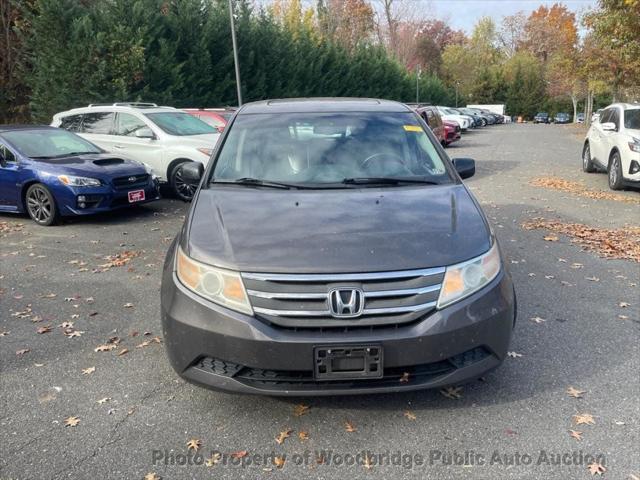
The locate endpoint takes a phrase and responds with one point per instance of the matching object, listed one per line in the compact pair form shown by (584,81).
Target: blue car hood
(99,165)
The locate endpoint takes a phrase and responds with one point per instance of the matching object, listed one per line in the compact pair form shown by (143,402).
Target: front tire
(41,205)
(615,172)
(181,188)
(587,164)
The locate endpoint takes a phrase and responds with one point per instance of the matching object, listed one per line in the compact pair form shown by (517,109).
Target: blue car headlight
(74,181)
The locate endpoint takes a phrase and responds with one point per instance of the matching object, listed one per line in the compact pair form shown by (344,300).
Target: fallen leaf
(453,393)
(300,409)
(596,468)
(22,352)
(128,305)
(66,325)
(624,304)
(303,435)
(103,400)
(538,320)
(409,415)
(349,427)
(550,238)
(623,317)
(593,279)
(575,393)
(152,476)
(279,462)
(575,434)
(213,459)
(584,418)
(514,354)
(367,462)
(105,348)
(88,371)
(42,330)
(194,444)
(71,421)
(239,454)
(122,352)
(405,377)
(4,333)
(71,333)
(282,435)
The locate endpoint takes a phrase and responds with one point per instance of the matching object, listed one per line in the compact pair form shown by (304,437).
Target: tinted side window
(6,155)
(615,118)
(605,116)
(71,123)
(98,122)
(129,124)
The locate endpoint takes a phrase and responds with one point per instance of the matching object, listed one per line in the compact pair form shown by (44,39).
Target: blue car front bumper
(90,200)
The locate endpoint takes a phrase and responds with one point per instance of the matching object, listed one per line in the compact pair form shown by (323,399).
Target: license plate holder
(347,362)
(136,196)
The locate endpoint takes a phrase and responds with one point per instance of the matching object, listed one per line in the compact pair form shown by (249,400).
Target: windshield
(180,123)
(329,148)
(632,119)
(49,143)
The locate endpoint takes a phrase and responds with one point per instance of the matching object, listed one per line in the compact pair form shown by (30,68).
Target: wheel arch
(22,206)
(613,150)
(174,163)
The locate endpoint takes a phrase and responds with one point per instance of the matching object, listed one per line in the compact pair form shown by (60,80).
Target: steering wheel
(392,157)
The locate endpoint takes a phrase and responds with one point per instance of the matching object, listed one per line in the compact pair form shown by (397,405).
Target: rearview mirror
(608,126)
(192,172)
(466,167)
(145,133)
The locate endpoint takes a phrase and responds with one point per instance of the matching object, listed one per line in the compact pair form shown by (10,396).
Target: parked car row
(448,123)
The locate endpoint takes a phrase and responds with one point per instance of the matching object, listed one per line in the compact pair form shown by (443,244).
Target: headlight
(206,151)
(465,278)
(221,286)
(73,181)
(634,146)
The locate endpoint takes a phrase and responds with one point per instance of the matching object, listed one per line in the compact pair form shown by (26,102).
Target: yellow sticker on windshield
(413,128)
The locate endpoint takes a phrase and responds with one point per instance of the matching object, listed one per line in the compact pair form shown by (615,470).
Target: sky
(463,14)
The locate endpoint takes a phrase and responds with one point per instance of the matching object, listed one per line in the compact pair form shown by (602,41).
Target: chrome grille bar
(343,277)
(316,296)
(326,313)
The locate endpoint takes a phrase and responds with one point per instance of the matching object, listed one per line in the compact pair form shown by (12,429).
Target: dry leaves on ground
(300,409)
(71,421)
(282,436)
(596,468)
(584,418)
(10,227)
(574,392)
(577,188)
(575,434)
(453,393)
(623,243)
(349,427)
(119,259)
(88,371)
(194,444)
(410,415)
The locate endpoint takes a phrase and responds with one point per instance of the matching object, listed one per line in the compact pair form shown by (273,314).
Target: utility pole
(418,72)
(235,53)
(457,83)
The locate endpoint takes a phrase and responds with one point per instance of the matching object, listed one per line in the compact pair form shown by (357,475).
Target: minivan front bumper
(225,350)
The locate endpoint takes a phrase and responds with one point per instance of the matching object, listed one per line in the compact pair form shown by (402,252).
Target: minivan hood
(335,231)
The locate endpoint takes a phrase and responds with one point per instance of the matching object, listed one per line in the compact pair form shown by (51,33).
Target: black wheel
(41,205)
(615,172)
(182,188)
(587,164)
(483,122)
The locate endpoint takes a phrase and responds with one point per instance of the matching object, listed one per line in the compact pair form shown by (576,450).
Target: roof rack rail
(124,104)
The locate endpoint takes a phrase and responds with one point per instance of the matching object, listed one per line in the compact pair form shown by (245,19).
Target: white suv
(613,145)
(464,121)
(163,138)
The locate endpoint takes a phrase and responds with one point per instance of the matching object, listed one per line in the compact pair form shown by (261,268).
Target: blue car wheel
(41,205)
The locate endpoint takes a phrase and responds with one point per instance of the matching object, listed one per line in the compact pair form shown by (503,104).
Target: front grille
(301,301)
(304,379)
(131,181)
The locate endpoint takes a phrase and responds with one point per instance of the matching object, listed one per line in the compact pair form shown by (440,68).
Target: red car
(216,117)
(433,119)
(452,132)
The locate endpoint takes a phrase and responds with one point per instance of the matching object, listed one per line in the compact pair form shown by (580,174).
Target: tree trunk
(574,100)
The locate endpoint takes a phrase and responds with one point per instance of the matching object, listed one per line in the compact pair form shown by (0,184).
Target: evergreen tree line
(179,53)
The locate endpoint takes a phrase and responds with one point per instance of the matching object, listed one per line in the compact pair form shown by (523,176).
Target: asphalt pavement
(94,282)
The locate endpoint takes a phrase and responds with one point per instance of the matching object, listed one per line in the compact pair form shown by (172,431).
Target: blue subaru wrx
(48,172)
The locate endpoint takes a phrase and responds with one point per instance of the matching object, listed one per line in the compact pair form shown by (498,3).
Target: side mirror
(608,126)
(192,172)
(466,167)
(145,133)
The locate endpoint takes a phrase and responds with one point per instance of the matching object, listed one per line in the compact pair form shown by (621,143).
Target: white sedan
(613,145)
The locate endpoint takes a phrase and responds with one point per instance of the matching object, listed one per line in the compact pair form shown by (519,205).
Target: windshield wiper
(257,182)
(62,155)
(386,181)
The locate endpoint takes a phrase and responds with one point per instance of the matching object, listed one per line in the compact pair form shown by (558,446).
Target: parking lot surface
(68,292)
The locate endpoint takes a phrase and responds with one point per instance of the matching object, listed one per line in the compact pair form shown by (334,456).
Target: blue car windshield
(49,143)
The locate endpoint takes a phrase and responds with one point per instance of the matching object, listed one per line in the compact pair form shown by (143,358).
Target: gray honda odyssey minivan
(332,248)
